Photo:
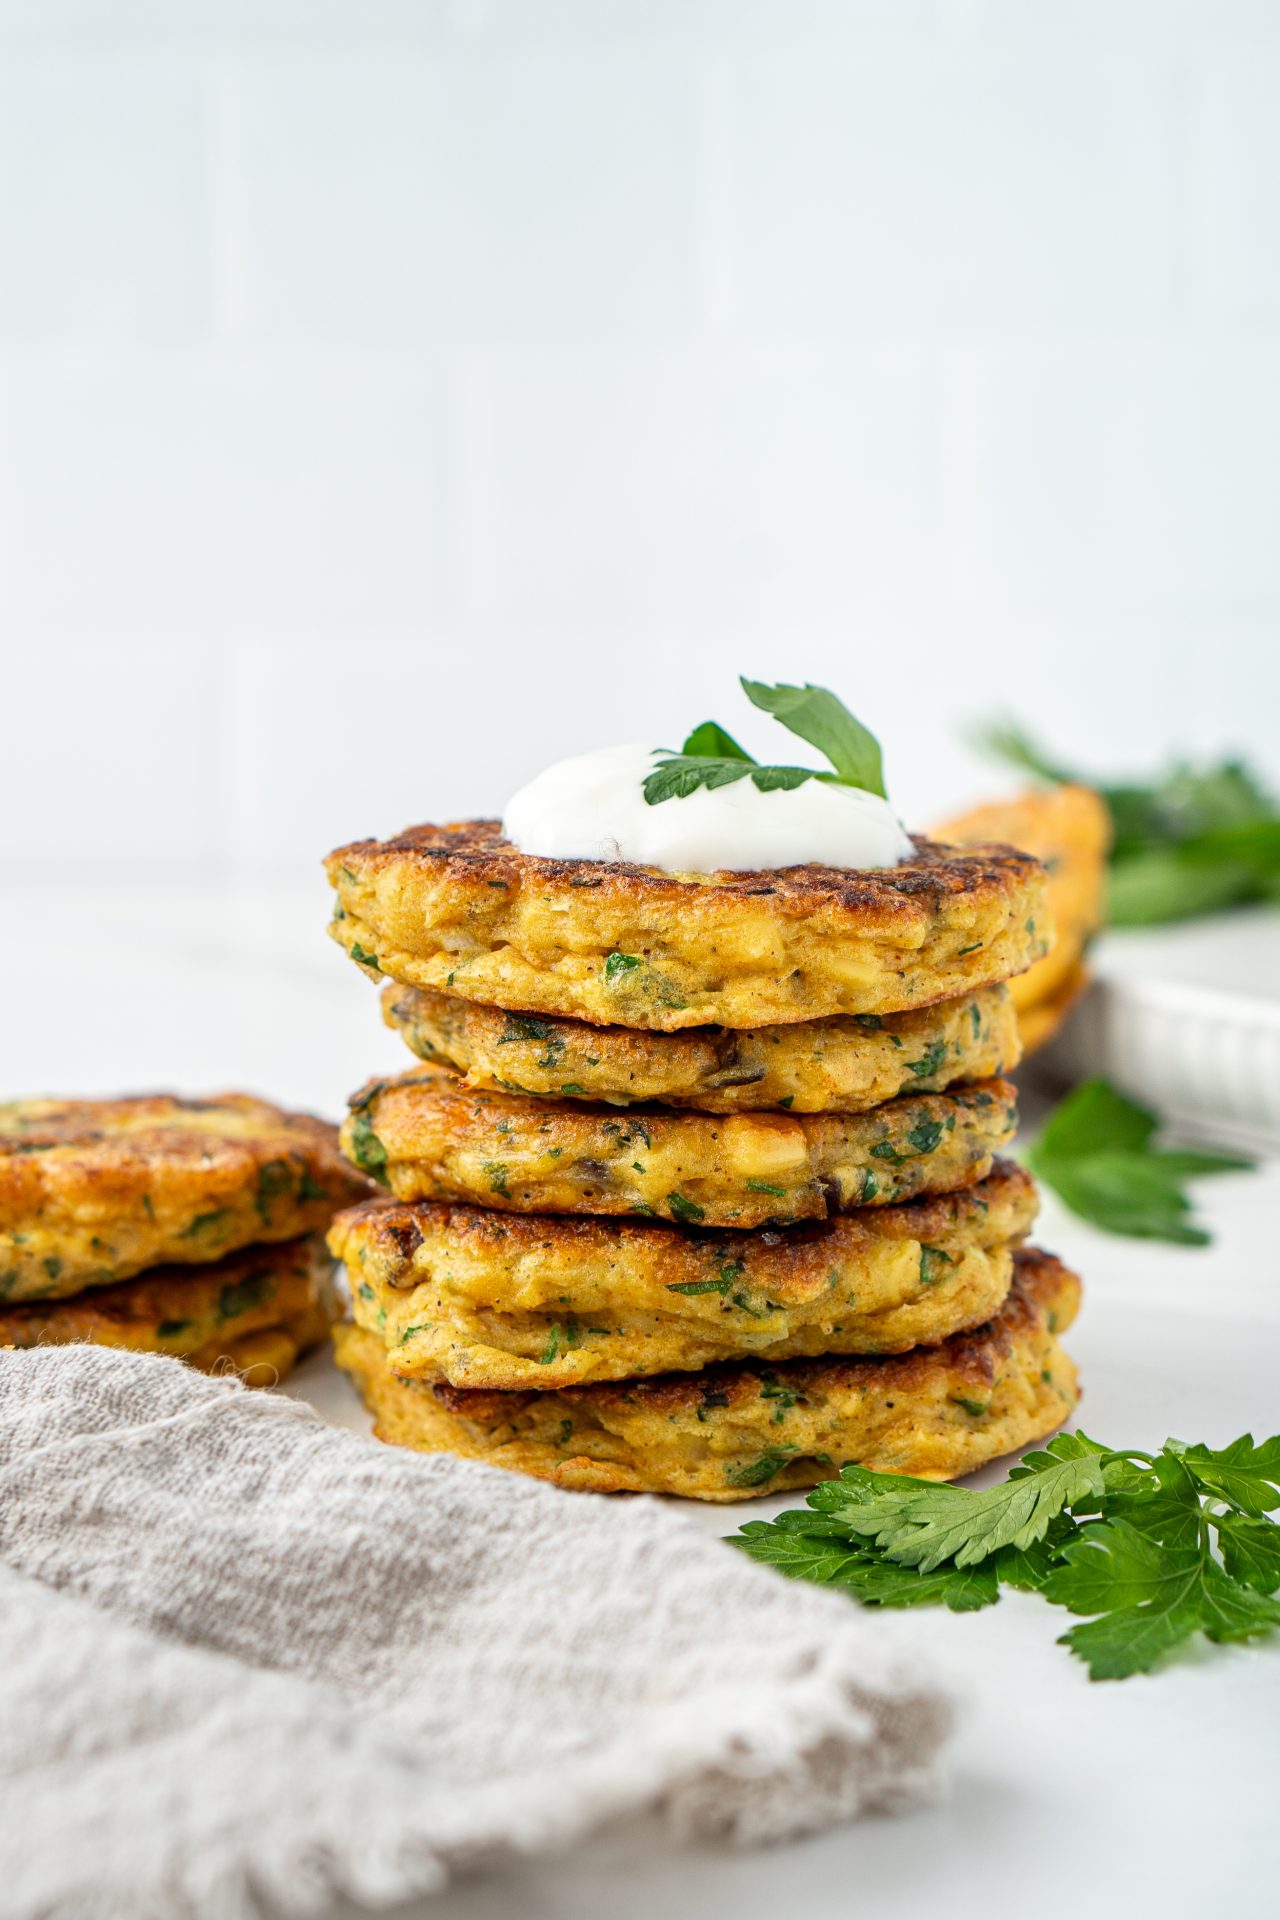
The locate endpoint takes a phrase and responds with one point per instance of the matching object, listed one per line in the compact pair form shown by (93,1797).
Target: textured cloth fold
(251,1658)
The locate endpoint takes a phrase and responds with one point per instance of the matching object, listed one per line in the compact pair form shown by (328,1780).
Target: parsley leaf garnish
(711,757)
(827,724)
(1154,1548)
(1148,1597)
(1250,1550)
(811,1547)
(1247,1476)
(711,742)
(1095,1152)
(931,1523)
(680,774)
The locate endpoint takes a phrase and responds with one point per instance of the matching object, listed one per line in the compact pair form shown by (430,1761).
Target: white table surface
(1065,1798)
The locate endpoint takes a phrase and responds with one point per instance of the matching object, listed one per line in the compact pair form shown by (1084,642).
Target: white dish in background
(1186,1019)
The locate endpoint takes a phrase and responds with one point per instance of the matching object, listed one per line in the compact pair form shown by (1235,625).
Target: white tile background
(395,394)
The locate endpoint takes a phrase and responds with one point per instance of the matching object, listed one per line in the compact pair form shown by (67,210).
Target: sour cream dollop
(593,808)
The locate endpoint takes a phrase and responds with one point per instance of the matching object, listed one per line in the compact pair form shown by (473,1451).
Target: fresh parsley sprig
(1195,840)
(1095,1151)
(923,1524)
(711,757)
(1154,1547)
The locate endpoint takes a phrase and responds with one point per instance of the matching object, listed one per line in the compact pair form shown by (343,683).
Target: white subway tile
(400,728)
(711,486)
(1236,186)
(102,232)
(1226,691)
(188,983)
(1158,24)
(180,491)
(1129,477)
(494,196)
(702,23)
(114,758)
(449,725)
(91,25)
(909,188)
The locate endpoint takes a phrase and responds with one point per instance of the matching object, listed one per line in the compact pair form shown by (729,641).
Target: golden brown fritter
(256,1311)
(457,908)
(1069,829)
(429,1137)
(845,1065)
(733,1432)
(93,1191)
(1039,1023)
(510,1300)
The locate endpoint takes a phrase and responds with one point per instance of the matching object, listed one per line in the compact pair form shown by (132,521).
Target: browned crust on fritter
(733,1431)
(553,1307)
(1069,829)
(95,1191)
(209,1315)
(977,1357)
(457,907)
(785,1262)
(474,853)
(443,1140)
(1038,1023)
(845,1064)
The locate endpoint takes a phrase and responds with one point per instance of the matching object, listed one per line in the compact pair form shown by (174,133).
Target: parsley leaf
(929,1524)
(1247,1476)
(1161,884)
(679,775)
(367,1150)
(1095,1152)
(1250,1549)
(1005,740)
(710,741)
(827,724)
(1096,1116)
(1154,1547)
(1149,1597)
(711,757)
(821,1551)
(755,1473)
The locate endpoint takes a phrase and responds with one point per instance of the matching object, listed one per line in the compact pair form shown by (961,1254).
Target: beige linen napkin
(249,1657)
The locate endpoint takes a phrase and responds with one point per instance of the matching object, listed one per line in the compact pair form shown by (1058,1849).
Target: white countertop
(1154,1795)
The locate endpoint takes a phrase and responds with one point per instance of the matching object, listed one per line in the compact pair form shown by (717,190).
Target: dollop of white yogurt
(593,808)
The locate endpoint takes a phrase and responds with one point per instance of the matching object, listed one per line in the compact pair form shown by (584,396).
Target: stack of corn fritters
(698,1189)
(189,1227)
